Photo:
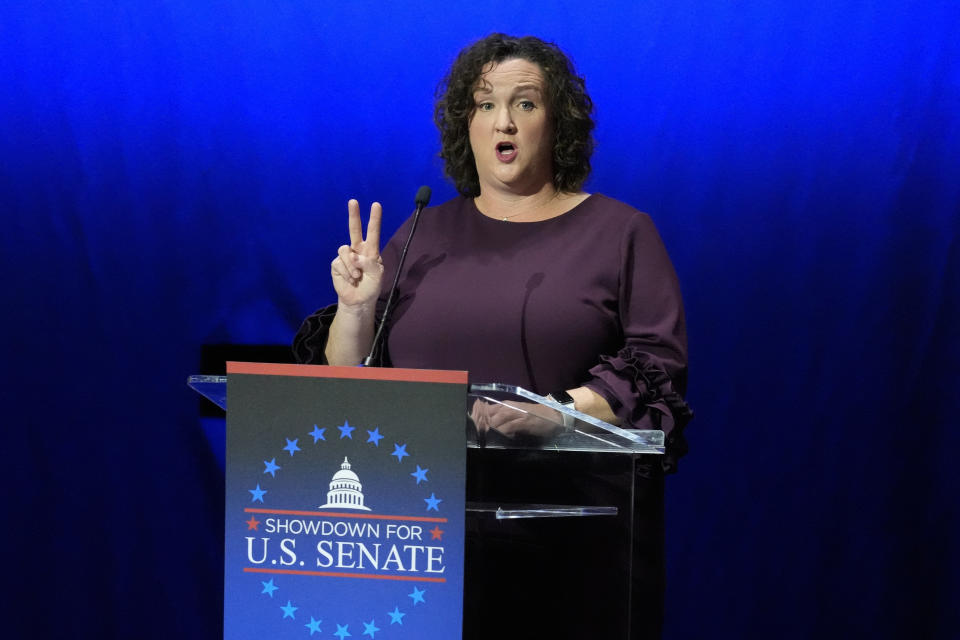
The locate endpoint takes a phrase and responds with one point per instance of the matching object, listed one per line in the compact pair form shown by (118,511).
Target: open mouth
(506,151)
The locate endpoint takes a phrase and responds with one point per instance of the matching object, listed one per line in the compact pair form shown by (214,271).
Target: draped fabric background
(174,174)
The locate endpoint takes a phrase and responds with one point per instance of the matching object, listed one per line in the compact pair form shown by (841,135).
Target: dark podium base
(572,577)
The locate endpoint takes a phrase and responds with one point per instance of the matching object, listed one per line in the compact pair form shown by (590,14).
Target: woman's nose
(505,122)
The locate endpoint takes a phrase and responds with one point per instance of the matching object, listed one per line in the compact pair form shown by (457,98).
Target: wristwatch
(564,398)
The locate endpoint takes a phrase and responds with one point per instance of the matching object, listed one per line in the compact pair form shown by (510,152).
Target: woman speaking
(523,278)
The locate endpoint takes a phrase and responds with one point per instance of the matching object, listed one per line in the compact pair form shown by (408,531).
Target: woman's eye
(527,105)
(485,106)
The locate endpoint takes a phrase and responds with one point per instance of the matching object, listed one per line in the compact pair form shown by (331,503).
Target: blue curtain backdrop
(175,174)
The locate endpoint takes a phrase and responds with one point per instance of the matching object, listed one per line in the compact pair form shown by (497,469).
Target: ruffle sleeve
(311,340)
(644,381)
(644,396)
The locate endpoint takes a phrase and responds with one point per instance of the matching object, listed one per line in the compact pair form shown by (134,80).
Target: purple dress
(588,298)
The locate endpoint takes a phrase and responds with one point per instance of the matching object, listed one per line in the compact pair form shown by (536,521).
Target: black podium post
(564,577)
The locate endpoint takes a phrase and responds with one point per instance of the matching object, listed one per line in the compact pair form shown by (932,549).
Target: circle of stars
(432,503)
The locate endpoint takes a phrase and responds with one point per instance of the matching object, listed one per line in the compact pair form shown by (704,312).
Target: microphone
(421,200)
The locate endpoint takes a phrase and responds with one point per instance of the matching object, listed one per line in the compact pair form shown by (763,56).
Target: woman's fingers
(514,418)
(369,246)
(354,223)
(373,230)
(347,257)
(357,269)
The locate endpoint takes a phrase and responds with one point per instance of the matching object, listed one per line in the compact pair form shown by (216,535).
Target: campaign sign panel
(344,502)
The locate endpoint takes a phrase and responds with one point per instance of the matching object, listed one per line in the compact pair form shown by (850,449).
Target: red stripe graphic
(333,574)
(356,373)
(331,514)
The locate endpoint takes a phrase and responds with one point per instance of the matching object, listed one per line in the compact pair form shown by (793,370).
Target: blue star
(257,493)
(375,437)
(272,467)
(396,617)
(400,450)
(269,587)
(346,431)
(432,502)
(420,474)
(417,595)
(314,625)
(342,631)
(369,627)
(291,446)
(317,434)
(288,610)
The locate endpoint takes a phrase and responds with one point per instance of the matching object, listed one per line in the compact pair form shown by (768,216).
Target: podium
(563,530)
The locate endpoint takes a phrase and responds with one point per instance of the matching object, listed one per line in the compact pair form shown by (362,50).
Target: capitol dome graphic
(345,490)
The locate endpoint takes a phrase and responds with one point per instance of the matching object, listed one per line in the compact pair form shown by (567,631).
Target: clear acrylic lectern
(564,521)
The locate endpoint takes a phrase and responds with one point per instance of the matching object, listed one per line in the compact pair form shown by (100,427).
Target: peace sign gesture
(358,269)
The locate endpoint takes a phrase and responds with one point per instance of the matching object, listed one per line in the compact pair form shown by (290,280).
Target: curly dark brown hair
(570,110)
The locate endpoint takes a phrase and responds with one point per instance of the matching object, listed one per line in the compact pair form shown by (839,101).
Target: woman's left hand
(513,418)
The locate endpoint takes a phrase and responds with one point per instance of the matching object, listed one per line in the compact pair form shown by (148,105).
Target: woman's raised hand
(358,269)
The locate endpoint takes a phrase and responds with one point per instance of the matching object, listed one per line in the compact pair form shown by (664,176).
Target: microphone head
(423,196)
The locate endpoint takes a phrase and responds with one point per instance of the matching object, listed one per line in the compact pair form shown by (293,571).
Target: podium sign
(344,502)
